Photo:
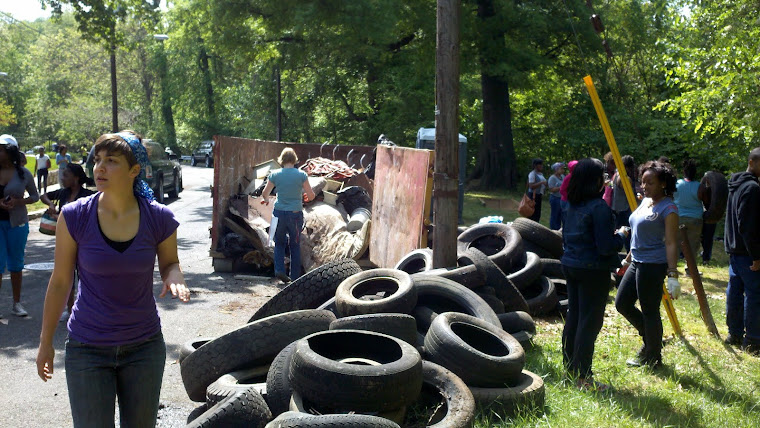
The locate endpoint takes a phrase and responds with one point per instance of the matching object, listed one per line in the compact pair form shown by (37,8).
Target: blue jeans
(743,300)
(564,205)
(555,221)
(96,375)
(288,234)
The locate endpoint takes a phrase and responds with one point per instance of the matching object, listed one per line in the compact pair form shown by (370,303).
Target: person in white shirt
(41,167)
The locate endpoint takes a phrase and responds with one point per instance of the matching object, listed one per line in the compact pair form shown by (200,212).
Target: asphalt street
(219,303)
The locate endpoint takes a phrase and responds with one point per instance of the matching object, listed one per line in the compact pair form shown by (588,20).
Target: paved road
(219,303)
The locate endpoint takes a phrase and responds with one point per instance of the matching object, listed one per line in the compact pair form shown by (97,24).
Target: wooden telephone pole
(446,175)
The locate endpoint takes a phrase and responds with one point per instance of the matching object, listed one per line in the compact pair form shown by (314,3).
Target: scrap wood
(335,169)
(254,236)
(252,211)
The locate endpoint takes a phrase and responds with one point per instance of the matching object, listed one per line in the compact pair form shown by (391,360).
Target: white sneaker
(64,316)
(19,310)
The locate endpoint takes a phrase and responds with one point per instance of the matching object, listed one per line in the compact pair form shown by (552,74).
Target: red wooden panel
(398,204)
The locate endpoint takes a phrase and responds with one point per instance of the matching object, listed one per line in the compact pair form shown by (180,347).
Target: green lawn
(702,384)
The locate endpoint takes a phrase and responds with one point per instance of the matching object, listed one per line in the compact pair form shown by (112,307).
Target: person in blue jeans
(591,245)
(653,255)
(293,189)
(554,183)
(115,348)
(742,243)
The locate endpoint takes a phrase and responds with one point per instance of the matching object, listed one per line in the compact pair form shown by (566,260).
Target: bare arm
(308,191)
(171,273)
(267,190)
(58,290)
(671,240)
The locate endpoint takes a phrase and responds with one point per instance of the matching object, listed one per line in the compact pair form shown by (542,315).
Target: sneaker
(589,384)
(282,277)
(733,340)
(651,362)
(64,316)
(752,349)
(19,310)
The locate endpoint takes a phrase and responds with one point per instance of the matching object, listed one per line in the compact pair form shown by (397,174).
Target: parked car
(164,175)
(204,152)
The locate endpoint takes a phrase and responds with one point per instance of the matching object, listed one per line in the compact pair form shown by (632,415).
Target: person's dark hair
(78,172)
(14,154)
(663,159)
(114,144)
(537,161)
(664,173)
(754,154)
(586,181)
(690,169)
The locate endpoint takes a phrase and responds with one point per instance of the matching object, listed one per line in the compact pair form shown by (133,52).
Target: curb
(34,215)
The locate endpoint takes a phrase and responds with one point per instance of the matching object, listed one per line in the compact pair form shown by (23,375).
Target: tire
(443,295)
(494,302)
(539,234)
(197,412)
(541,297)
(552,268)
(562,307)
(304,420)
(231,383)
(524,338)
(320,376)
(160,190)
(424,316)
(460,404)
(189,347)
(417,261)
(298,405)
(209,162)
(398,293)
(512,322)
(535,248)
(174,192)
(400,326)
(528,393)
(715,183)
(561,286)
(245,408)
(500,242)
(479,353)
(279,389)
(249,346)
(310,290)
(494,277)
(528,274)
(466,275)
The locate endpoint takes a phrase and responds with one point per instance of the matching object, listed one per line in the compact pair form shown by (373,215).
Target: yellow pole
(667,302)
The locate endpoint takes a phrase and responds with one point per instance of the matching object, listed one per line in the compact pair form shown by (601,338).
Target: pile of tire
(513,267)
(341,347)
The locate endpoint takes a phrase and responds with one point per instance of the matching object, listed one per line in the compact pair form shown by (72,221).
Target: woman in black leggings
(651,258)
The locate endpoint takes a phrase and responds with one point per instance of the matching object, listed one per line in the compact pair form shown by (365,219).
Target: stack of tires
(381,348)
(513,267)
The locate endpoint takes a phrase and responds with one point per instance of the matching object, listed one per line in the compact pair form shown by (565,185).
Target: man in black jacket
(742,242)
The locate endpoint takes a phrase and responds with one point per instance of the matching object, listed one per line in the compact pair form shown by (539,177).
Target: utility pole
(446,175)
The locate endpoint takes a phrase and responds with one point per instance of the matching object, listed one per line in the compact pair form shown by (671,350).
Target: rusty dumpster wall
(235,157)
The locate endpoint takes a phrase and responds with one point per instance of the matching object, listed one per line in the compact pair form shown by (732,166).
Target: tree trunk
(496,164)
(278,86)
(114,98)
(209,89)
(446,176)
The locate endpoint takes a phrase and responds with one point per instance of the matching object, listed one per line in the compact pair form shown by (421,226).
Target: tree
(98,21)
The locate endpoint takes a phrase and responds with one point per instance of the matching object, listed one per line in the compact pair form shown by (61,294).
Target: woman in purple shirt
(115,347)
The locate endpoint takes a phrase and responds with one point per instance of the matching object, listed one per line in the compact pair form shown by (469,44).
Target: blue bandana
(141,188)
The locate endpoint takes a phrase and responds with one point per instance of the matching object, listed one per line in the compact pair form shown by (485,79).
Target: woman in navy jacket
(591,246)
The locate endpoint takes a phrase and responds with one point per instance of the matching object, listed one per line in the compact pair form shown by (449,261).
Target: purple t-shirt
(115,303)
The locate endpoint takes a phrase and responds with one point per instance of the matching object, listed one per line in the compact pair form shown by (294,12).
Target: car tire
(494,302)
(500,242)
(476,351)
(420,260)
(249,346)
(311,290)
(541,297)
(297,404)
(174,192)
(715,183)
(190,346)
(231,383)
(292,419)
(512,322)
(460,404)
(494,277)
(160,189)
(528,393)
(444,295)
(399,293)
(552,268)
(528,274)
(539,234)
(400,326)
(245,408)
(322,375)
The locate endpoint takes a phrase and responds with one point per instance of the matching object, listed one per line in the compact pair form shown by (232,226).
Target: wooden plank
(399,203)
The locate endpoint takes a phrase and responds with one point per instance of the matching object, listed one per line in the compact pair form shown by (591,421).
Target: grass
(703,382)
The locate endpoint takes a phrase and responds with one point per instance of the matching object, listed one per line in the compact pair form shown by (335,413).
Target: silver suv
(203,153)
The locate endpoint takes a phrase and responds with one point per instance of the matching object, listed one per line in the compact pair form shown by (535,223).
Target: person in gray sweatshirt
(15,180)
